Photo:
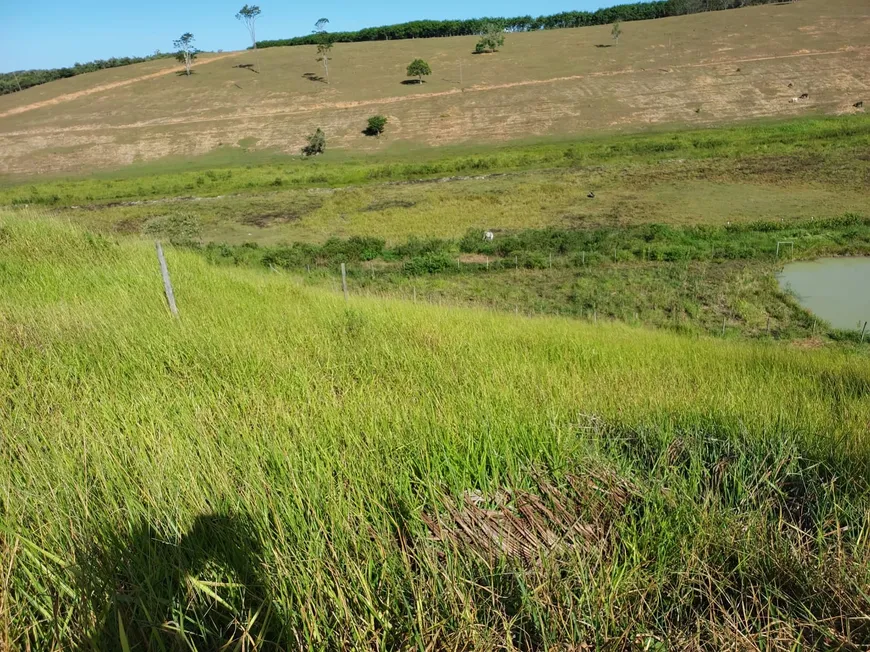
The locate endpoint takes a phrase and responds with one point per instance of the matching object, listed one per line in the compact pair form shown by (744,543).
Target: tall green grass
(259,473)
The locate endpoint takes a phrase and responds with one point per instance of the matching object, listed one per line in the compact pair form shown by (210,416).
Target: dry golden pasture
(703,69)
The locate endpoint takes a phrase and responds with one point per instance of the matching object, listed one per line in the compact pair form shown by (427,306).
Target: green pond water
(835,289)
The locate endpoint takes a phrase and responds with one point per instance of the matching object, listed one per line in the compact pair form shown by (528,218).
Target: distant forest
(11,82)
(438,28)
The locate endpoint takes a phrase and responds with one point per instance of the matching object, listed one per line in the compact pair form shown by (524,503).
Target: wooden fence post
(167,284)
(344,281)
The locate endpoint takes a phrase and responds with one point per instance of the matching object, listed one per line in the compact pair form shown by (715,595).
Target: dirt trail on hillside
(103,87)
(418,96)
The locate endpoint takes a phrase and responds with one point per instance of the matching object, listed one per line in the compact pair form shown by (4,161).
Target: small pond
(835,289)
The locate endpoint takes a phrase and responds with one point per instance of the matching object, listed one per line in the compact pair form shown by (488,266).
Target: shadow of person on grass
(154,591)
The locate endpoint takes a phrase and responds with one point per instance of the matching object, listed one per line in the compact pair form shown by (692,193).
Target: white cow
(489,236)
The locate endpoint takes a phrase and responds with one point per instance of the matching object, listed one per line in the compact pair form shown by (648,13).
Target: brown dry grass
(700,69)
(100,88)
(529,526)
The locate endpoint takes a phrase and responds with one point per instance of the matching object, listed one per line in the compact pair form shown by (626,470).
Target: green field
(607,428)
(682,232)
(281,469)
(784,170)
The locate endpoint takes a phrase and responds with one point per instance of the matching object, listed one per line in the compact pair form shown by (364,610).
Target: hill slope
(699,69)
(283,469)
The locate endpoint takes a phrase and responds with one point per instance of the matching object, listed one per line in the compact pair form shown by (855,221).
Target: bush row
(533,248)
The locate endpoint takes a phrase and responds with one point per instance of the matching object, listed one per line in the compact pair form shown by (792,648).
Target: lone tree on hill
(376,126)
(186,51)
(616,32)
(324,45)
(417,68)
(316,144)
(248,15)
(491,39)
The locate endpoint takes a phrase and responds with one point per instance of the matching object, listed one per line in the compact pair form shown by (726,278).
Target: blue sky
(54,33)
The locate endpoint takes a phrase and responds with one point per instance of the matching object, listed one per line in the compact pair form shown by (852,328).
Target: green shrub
(420,247)
(316,144)
(491,39)
(376,126)
(529,260)
(431,263)
(294,257)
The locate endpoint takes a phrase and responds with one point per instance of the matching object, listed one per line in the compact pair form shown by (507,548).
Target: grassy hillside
(701,69)
(280,469)
(11,82)
(17,81)
(781,171)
